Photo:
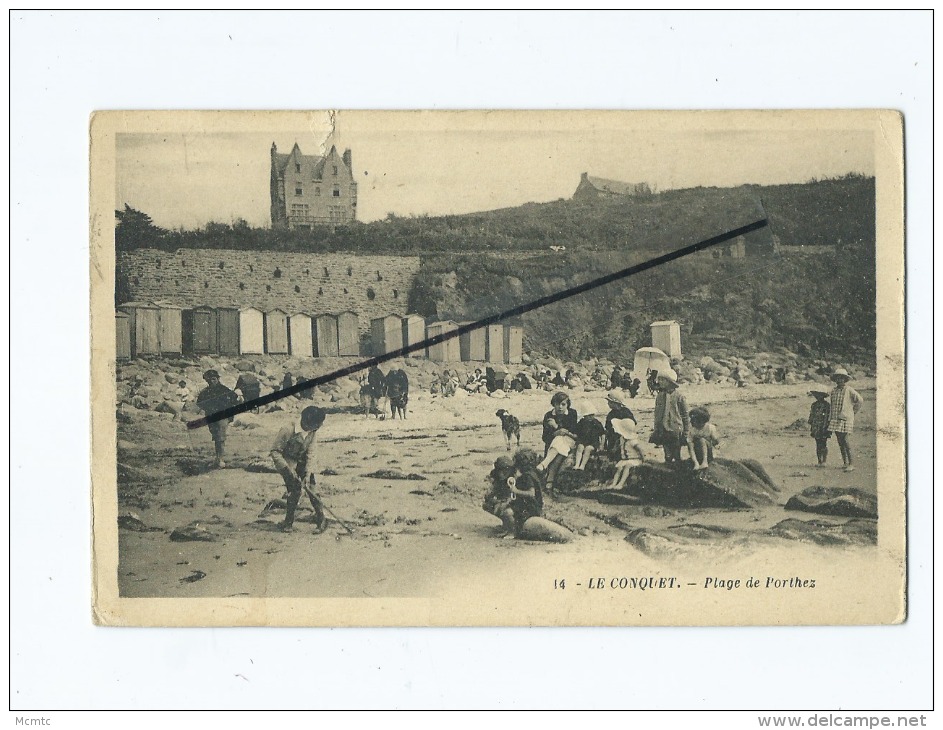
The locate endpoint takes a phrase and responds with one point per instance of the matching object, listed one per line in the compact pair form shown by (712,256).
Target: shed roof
(612,186)
(663,322)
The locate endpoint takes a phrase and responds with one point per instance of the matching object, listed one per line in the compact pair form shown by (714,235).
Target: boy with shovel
(293,454)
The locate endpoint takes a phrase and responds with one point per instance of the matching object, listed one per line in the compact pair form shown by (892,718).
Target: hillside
(822,304)
(819,212)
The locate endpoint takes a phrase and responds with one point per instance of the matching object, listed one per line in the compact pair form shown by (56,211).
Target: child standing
(672,422)
(845,403)
(590,435)
(702,438)
(293,455)
(818,423)
(630,451)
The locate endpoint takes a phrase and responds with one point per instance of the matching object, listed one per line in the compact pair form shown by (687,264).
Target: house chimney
(348,160)
(584,176)
(274,150)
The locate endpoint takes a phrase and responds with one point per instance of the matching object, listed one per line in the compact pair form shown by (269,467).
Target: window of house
(317,189)
(335,169)
(297,190)
(297,167)
(337,191)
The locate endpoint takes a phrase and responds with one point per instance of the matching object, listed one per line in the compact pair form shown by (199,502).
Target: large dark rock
(835,501)
(726,483)
(680,540)
(852,532)
(193,532)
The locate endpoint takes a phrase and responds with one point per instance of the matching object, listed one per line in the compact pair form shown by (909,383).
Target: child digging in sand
(630,451)
(818,424)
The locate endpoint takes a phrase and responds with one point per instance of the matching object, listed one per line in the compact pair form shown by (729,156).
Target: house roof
(611,186)
(317,161)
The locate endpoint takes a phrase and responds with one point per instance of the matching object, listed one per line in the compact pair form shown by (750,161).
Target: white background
(66,65)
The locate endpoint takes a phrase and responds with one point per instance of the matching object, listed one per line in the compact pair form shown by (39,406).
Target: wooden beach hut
(513,344)
(300,340)
(122,335)
(169,328)
(276,332)
(199,331)
(471,345)
(414,331)
(251,331)
(494,343)
(227,330)
(325,335)
(348,334)
(145,327)
(666,336)
(448,351)
(386,334)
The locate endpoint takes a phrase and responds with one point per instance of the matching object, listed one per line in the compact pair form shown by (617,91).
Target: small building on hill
(312,190)
(595,188)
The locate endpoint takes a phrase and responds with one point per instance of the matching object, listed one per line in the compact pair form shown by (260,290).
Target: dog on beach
(510,426)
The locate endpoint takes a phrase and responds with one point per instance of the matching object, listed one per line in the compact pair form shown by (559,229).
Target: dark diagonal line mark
(480,324)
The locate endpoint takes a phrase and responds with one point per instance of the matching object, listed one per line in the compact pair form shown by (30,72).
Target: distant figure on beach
(216,397)
(183,394)
(844,403)
(634,387)
(651,380)
(672,422)
(818,424)
(615,380)
(558,380)
(475,382)
(248,386)
(287,381)
(702,438)
(627,380)
(376,389)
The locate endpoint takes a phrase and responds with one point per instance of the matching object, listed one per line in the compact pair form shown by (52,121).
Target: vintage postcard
(498,368)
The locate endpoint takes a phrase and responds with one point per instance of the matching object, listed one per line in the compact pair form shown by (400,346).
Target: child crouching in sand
(630,451)
(515,494)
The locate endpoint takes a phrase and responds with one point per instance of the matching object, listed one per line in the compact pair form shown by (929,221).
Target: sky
(434,163)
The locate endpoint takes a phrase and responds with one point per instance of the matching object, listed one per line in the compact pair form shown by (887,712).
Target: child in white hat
(630,451)
(845,402)
(818,423)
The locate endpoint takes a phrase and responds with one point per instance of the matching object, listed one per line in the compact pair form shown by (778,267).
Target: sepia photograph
(502,368)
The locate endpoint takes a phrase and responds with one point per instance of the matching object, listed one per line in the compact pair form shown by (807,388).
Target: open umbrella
(649,358)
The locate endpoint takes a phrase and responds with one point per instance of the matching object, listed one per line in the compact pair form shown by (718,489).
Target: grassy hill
(480,263)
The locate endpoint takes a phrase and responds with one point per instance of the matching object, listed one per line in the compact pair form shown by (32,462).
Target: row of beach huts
(157,328)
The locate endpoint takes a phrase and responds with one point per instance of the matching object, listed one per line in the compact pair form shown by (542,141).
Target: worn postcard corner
(497,368)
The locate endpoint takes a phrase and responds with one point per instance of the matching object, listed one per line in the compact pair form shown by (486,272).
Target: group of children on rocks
(518,484)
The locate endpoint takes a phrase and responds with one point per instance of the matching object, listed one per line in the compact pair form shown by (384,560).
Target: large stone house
(312,190)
